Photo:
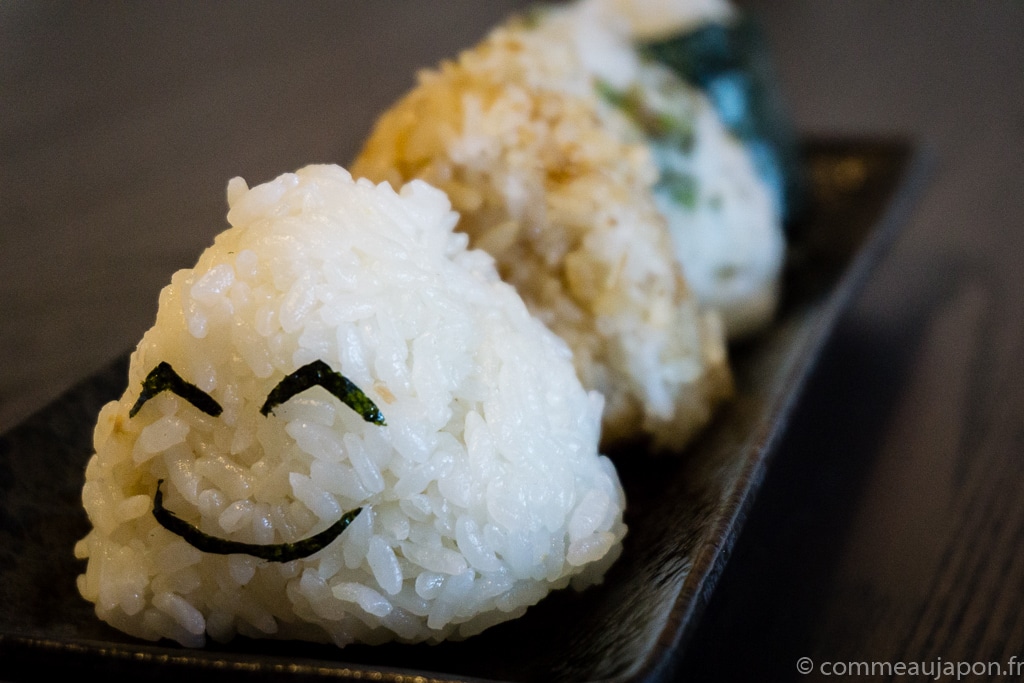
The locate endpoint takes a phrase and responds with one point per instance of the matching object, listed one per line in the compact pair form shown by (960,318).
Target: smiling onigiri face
(343,427)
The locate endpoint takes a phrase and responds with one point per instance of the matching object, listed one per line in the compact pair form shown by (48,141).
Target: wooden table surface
(890,526)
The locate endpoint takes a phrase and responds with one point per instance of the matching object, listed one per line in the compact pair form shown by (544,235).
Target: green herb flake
(678,132)
(610,94)
(275,552)
(674,129)
(681,188)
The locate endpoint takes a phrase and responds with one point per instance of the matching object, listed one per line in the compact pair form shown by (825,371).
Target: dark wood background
(891,524)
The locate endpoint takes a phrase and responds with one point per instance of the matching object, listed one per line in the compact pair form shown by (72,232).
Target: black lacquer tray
(683,513)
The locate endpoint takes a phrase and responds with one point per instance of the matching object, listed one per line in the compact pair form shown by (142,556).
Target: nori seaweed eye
(319,373)
(164,378)
(274,552)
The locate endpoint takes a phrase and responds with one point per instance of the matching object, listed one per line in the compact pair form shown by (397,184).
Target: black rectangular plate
(683,513)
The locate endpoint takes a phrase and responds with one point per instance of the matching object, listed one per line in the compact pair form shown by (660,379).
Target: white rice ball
(480,485)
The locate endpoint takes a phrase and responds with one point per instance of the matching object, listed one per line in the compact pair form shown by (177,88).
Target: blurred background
(888,526)
(121,123)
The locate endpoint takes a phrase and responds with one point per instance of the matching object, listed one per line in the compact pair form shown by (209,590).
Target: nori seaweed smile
(274,552)
(164,378)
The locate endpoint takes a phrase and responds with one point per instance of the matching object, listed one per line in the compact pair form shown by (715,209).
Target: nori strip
(164,378)
(320,373)
(275,552)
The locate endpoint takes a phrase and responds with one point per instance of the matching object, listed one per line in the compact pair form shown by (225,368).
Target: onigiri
(343,427)
(558,184)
